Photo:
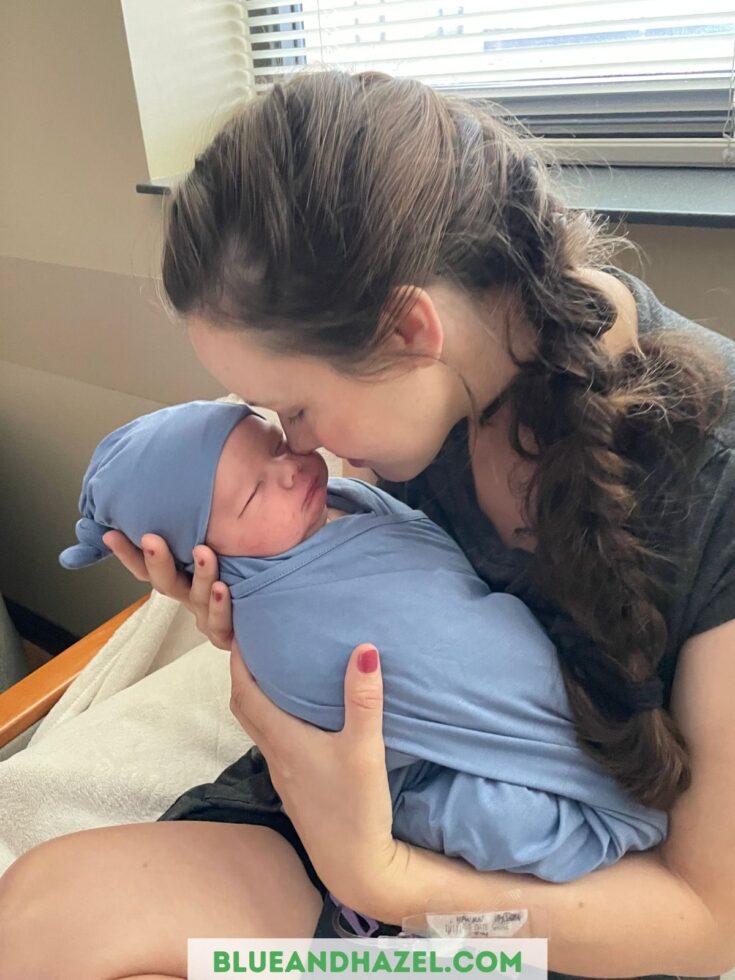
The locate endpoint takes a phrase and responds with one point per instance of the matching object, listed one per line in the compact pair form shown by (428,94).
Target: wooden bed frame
(32,697)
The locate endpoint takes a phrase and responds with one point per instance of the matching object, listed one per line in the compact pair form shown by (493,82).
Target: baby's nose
(289,467)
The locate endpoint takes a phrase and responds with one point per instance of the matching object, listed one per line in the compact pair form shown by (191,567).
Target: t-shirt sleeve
(713,516)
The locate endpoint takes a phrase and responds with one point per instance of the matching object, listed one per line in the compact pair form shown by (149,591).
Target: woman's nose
(300,438)
(302,444)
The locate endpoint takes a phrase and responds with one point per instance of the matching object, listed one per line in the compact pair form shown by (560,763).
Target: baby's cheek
(254,543)
(289,531)
(266,537)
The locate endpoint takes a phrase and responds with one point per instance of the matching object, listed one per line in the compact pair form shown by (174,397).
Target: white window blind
(656,73)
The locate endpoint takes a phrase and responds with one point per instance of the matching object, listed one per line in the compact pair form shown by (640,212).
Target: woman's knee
(27,880)
(25,890)
(138,892)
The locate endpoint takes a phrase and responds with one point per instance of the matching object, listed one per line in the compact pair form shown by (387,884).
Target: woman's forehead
(258,375)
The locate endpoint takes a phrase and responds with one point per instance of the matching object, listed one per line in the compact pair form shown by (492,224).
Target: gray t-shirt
(701,588)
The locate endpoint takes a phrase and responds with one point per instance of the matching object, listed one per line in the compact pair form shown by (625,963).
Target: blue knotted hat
(154,475)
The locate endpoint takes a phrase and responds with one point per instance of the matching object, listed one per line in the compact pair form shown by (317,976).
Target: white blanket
(147,718)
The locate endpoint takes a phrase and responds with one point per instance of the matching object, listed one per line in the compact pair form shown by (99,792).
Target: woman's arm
(670,911)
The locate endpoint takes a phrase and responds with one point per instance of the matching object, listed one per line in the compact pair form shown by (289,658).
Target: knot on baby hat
(91,547)
(154,475)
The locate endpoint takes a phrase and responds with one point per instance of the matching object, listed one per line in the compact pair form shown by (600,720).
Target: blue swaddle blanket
(481,753)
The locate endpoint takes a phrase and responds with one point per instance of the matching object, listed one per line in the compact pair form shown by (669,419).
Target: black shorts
(243,793)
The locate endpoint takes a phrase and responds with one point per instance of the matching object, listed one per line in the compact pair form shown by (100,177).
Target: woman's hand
(206,597)
(334,785)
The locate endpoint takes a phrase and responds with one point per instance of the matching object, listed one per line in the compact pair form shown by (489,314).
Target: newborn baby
(481,752)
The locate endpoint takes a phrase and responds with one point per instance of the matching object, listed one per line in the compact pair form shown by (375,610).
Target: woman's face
(395,426)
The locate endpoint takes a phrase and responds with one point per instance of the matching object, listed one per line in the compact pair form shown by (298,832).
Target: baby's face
(266,499)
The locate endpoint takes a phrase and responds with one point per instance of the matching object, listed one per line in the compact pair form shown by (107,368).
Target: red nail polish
(218,596)
(200,562)
(367,661)
(149,552)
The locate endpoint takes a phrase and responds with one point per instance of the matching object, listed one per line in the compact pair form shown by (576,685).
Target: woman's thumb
(364,691)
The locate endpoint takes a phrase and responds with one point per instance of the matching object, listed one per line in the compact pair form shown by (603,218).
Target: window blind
(584,69)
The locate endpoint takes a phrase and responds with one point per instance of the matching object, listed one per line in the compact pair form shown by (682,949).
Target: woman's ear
(417,328)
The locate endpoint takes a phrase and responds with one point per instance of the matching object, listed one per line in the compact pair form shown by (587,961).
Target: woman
(390,270)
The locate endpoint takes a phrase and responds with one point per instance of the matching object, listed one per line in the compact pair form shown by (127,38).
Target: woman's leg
(122,901)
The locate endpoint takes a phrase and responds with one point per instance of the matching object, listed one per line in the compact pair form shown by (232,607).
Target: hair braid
(592,557)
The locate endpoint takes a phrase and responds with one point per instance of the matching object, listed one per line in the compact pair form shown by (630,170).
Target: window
(638,81)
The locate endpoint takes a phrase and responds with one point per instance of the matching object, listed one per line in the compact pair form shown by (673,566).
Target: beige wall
(84,344)
(689,269)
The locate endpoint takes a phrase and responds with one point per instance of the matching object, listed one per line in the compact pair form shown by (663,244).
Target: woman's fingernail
(218,596)
(367,661)
(200,562)
(151,554)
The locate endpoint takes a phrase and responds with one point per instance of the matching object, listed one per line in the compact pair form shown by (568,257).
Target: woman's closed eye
(293,419)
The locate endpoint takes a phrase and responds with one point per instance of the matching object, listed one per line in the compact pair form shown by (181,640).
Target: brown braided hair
(322,196)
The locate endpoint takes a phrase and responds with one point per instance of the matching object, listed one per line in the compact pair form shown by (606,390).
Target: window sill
(696,197)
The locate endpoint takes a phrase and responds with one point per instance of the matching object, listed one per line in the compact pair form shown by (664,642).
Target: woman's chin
(396,472)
